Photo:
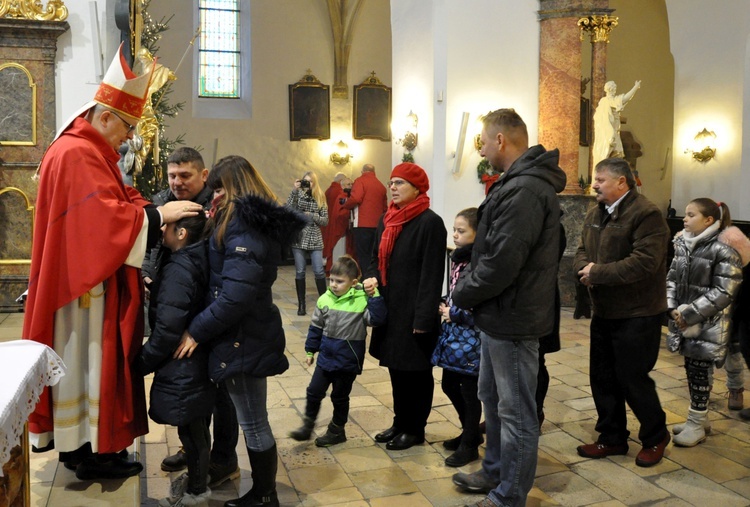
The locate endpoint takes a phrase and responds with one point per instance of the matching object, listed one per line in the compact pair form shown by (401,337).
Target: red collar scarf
(215,206)
(394,221)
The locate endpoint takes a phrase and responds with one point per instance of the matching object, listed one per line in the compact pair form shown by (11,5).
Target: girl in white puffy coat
(702,283)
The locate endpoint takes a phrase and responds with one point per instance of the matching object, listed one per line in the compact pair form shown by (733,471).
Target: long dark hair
(238,178)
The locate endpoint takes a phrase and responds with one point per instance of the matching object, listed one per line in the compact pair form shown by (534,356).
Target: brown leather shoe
(650,456)
(598,450)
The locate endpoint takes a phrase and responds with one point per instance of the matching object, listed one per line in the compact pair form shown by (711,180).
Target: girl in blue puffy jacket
(457,350)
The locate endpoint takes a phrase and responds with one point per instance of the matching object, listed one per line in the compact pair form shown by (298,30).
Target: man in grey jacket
(622,260)
(511,288)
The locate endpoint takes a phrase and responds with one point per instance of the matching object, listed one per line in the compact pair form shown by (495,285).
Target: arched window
(222,60)
(219,49)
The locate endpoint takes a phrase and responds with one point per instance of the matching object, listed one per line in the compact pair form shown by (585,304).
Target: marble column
(560,79)
(560,92)
(560,113)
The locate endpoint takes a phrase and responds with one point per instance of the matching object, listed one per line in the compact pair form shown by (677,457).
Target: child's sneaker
(176,491)
(191,500)
(187,500)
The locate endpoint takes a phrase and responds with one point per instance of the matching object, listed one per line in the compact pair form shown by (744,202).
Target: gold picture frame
(30,208)
(11,110)
(372,110)
(309,109)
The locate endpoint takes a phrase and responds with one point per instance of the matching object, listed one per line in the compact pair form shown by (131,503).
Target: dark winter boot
(303,432)
(301,307)
(335,435)
(263,493)
(322,285)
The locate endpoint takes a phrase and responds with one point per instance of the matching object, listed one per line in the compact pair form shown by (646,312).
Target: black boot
(303,432)
(301,307)
(107,466)
(322,285)
(335,435)
(263,493)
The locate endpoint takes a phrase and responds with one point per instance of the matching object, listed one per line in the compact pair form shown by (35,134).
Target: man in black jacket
(186,175)
(511,288)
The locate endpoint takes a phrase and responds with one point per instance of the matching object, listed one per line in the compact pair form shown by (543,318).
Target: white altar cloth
(25,368)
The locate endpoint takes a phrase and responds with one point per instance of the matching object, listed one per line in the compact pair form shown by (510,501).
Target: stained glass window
(219,52)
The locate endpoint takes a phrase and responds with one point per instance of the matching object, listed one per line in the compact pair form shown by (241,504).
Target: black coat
(153,260)
(181,391)
(511,282)
(415,281)
(241,324)
(551,342)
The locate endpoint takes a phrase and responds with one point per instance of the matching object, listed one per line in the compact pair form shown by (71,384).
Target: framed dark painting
(309,109)
(372,110)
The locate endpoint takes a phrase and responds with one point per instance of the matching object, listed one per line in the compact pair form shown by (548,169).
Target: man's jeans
(507,385)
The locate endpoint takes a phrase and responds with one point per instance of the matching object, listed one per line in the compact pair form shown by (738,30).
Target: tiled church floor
(361,472)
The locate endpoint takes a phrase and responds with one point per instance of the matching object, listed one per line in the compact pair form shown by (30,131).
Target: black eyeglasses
(131,128)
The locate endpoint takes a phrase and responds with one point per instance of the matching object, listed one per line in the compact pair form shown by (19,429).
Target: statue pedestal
(574,211)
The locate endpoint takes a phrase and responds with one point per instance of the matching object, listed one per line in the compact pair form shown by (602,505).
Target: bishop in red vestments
(85,295)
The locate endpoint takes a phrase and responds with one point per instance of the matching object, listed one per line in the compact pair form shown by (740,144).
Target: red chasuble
(86,223)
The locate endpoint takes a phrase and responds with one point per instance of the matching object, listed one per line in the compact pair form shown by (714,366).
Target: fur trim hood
(735,238)
(270,218)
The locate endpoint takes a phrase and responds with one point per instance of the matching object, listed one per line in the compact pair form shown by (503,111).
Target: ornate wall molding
(550,9)
(32,9)
(598,27)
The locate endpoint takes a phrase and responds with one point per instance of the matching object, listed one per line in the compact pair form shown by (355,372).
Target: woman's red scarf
(394,221)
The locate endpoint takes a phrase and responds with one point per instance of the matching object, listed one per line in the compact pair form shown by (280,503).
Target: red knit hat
(413,174)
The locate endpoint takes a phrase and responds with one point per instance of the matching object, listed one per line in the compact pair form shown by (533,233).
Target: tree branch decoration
(152,176)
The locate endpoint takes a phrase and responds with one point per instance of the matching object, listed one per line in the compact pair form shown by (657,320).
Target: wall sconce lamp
(411,136)
(704,146)
(478,142)
(341,155)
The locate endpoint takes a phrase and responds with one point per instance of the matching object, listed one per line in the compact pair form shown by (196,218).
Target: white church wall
(454,57)
(710,46)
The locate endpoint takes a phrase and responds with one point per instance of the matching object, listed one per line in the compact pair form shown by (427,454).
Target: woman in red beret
(410,260)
